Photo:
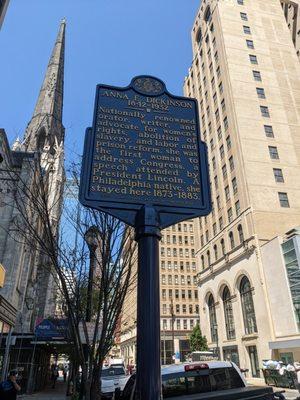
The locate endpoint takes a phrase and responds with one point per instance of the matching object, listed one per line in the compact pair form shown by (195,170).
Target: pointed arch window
(228,313)
(212,318)
(202,262)
(216,252)
(247,306)
(241,233)
(208,258)
(231,239)
(223,247)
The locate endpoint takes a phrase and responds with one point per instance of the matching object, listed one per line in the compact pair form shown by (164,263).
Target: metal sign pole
(148,307)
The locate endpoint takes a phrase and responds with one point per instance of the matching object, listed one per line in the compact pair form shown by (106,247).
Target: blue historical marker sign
(144,148)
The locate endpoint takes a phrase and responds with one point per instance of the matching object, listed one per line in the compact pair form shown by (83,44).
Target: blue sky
(108,41)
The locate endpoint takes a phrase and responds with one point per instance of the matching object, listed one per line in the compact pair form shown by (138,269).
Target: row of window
(177,252)
(180,239)
(190,294)
(180,308)
(182,279)
(273,151)
(181,228)
(178,324)
(205,263)
(182,266)
(185,294)
(248,311)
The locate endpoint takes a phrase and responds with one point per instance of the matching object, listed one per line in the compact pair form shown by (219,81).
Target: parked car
(112,378)
(213,380)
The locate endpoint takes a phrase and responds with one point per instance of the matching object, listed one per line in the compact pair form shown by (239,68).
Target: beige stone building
(246,76)
(178,296)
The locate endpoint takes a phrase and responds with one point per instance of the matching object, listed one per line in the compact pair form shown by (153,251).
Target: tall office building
(3,8)
(178,296)
(246,76)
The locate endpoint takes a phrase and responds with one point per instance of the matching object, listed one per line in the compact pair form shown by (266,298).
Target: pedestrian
(54,375)
(9,388)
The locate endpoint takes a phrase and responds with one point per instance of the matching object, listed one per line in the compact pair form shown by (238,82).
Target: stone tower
(45,135)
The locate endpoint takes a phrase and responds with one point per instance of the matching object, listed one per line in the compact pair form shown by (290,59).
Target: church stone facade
(29,287)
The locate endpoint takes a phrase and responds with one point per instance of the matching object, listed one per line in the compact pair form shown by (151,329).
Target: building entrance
(254,361)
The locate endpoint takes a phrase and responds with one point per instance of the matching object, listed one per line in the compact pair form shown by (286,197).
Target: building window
(216,252)
(214,229)
(228,313)
(244,16)
(213,161)
(237,208)
(253,59)
(247,29)
(176,293)
(164,295)
(212,144)
(241,234)
(250,44)
(165,326)
(219,133)
(208,258)
(184,309)
(216,182)
(222,153)
(293,273)
(217,114)
(184,324)
(283,199)
(228,142)
(227,193)
(221,223)
(221,88)
(231,240)
(269,131)
(224,171)
(202,262)
(218,203)
(231,163)
(264,111)
(240,2)
(278,175)
(230,214)
(225,121)
(212,318)
(261,93)
(257,76)
(234,186)
(273,152)
(183,294)
(247,306)
(223,247)
(223,105)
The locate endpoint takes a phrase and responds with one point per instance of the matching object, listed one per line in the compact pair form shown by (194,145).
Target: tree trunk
(96,384)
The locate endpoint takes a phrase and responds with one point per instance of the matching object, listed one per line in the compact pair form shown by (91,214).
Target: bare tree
(55,229)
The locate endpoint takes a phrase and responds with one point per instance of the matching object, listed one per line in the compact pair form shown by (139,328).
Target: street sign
(144,148)
(145,164)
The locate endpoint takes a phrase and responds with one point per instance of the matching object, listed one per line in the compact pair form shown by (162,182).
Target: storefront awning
(284,344)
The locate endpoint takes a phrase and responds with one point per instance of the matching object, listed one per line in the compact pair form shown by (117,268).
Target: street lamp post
(173,320)
(91,237)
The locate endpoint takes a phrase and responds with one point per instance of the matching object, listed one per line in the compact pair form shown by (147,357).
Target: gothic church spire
(45,130)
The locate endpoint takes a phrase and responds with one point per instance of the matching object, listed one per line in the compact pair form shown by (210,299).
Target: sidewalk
(290,394)
(59,393)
